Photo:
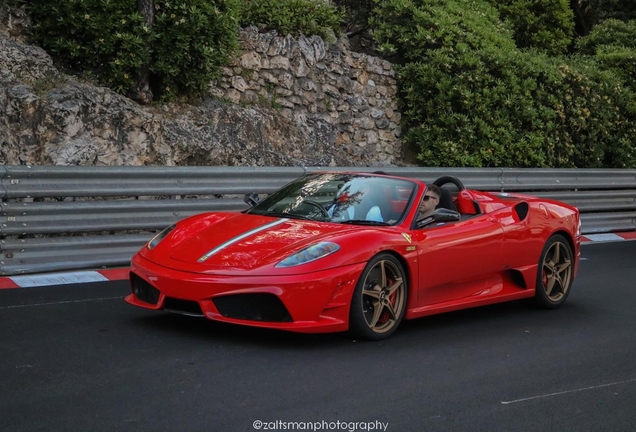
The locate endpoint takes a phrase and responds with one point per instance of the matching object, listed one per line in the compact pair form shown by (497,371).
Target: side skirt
(507,286)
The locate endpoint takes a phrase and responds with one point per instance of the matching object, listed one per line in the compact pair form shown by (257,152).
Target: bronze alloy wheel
(557,270)
(555,273)
(380,298)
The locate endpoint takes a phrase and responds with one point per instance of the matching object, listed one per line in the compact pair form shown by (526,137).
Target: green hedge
(184,48)
(533,113)
(613,44)
(295,17)
(470,98)
(547,25)
(597,11)
(619,60)
(609,32)
(411,29)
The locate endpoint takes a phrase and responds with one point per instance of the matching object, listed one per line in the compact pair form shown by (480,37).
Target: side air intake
(522,210)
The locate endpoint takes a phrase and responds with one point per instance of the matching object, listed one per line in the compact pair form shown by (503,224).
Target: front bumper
(311,303)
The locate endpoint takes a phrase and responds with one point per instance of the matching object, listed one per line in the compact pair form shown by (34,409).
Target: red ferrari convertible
(349,251)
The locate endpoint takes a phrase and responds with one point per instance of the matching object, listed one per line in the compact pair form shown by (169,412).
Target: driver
(429,201)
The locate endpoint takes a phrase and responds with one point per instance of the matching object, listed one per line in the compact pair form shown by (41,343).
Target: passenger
(365,207)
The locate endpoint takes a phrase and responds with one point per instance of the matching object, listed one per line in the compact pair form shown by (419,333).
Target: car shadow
(205,330)
(463,323)
(508,316)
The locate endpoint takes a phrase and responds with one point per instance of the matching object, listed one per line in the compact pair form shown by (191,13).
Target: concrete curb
(65,278)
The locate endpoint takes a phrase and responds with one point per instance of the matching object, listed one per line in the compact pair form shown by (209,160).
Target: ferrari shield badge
(407,237)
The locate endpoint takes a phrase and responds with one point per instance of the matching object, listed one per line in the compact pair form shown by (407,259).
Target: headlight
(160,236)
(309,254)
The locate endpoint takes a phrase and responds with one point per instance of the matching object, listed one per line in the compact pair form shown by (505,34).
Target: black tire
(379,300)
(555,273)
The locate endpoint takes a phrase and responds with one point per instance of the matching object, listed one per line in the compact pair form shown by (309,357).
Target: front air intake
(252,307)
(143,290)
(183,307)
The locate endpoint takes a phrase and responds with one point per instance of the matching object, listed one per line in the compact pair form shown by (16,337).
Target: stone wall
(309,79)
(284,102)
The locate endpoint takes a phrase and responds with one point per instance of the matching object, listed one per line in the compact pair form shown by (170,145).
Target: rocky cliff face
(49,118)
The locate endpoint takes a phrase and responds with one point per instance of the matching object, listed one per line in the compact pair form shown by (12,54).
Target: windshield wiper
(364,222)
(284,215)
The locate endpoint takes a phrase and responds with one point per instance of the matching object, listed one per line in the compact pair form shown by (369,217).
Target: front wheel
(379,300)
(555,274)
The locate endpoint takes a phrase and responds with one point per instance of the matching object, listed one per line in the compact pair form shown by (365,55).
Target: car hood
(243,241)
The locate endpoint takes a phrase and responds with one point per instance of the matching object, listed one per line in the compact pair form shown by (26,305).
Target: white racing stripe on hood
(239,238)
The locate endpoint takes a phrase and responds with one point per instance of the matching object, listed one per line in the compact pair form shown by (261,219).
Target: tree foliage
(609,32)
(295,17)
(110,39)
(596,11)
(356,14)
(547,25)
(471,98)
(613,45)
(413,29)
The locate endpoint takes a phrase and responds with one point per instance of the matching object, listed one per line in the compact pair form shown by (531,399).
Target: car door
(455,260)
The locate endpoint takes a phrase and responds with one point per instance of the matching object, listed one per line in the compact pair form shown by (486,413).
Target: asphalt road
(77,358)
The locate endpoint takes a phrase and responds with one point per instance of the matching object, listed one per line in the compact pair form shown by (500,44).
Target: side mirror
(251,199)
(439,216)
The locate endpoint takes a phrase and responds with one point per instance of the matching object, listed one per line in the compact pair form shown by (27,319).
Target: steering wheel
(449,179)
(318,206)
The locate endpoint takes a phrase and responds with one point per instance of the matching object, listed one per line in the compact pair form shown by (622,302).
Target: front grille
(183,307)
(143,290)
(253,307)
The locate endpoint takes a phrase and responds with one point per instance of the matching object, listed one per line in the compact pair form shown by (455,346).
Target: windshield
(342,198)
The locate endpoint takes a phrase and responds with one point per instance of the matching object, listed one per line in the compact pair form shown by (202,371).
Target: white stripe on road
(58,279)
(568,391)
(60,302)
(604,237)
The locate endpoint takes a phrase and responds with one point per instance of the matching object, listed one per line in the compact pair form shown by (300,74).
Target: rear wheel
(379,299)
(555,274)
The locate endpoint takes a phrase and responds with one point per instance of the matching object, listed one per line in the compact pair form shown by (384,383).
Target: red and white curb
(66,278)
(80,277)
(608,237)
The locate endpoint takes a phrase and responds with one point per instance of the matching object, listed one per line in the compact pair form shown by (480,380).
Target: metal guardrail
(66,217)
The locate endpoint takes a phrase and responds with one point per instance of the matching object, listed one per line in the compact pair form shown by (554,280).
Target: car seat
(445,200)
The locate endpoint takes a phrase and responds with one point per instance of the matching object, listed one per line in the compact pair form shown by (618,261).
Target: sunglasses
(428,197)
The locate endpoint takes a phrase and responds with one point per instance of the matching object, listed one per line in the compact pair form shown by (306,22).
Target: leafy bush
(613,44)
(470,98)
(410,29)
(596,11)
(547,25)
(621,61)
(192,40)
(110,39)
(534,112)
(356,13)
(12,3)
(295,17)
(609,32)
